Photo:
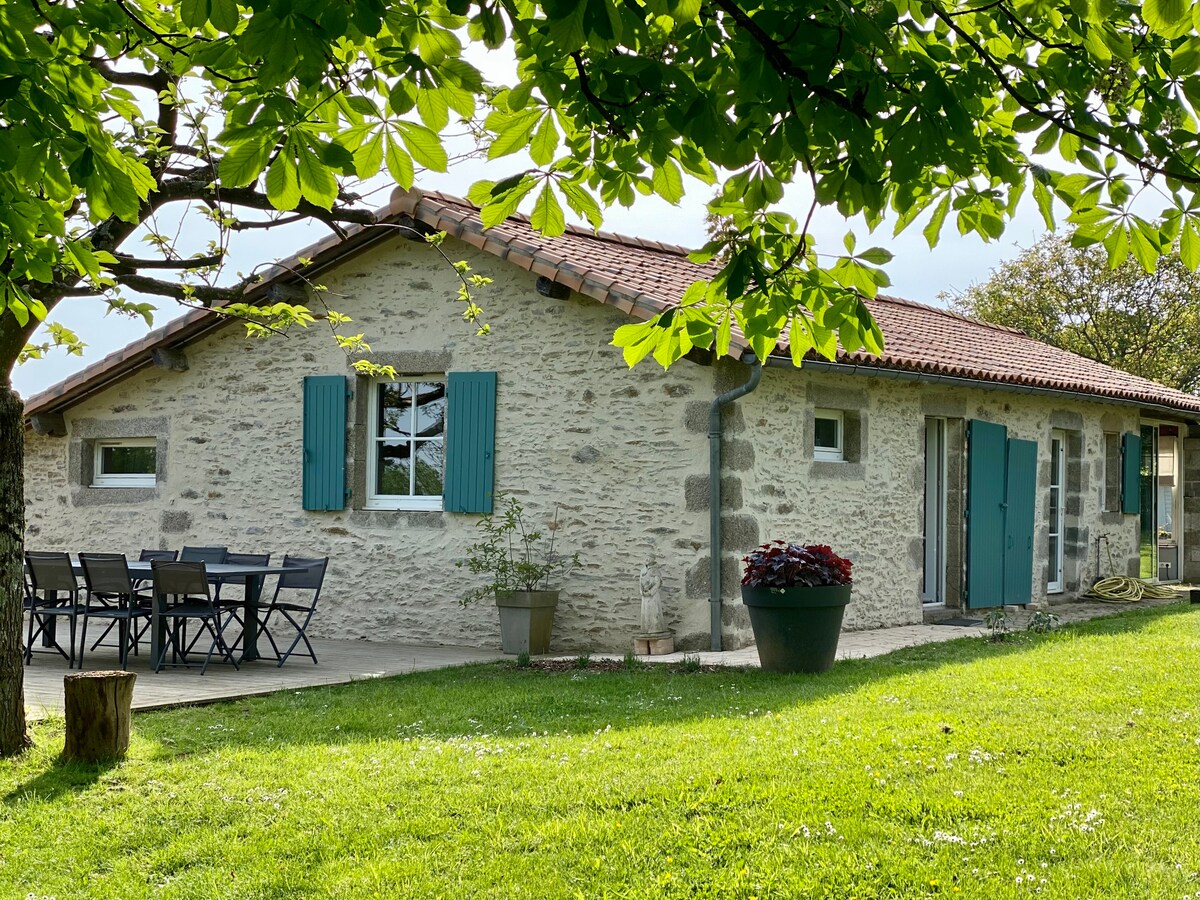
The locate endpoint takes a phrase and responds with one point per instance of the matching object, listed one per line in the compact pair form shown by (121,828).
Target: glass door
(1148,483)
(1167,501)
(933,588)
(1056,509)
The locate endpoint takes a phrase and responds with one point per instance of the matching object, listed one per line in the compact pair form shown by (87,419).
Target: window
(406,448)
(129,463)
(828,433)
(1112,472)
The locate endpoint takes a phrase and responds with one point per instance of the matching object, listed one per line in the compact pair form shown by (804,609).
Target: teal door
(987,447)
(1001,495)
(1020,497)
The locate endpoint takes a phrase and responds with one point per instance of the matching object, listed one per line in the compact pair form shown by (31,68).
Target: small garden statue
(655,639)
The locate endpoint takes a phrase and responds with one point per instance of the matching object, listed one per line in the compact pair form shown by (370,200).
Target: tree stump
(97,709)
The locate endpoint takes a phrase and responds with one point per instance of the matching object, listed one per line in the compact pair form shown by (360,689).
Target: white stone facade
(623,453)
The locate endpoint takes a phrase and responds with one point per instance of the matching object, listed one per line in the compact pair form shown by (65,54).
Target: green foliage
(996,621)
(932,115)
(1068,757)
(511,555)
(1042,622)
(1071,297)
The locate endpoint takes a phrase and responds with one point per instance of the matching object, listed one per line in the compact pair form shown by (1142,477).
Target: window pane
(392,472)
(1054,572)
(395,410)
(127,460)
(431,409)
(826,433)
(430,457)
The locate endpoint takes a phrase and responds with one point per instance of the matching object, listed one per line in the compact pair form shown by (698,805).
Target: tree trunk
(13,737)
(97,708)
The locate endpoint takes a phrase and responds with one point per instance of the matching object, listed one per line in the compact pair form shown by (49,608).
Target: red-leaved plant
(778,564)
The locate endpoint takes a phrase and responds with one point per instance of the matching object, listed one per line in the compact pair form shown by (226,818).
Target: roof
(642,278)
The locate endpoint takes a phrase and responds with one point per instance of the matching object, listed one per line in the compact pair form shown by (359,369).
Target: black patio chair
(52,577)
(296,610)
(230,606)
(116,601)
(148,555)
(208,555)
(187,583)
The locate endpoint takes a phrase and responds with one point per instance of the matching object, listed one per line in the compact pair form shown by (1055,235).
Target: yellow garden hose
(1123,589)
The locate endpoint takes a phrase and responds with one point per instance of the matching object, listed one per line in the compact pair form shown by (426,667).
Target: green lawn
(1063,765)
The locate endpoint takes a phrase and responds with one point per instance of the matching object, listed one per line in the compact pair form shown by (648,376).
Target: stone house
(968,466)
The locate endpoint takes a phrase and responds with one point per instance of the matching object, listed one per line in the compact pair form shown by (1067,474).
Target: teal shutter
(1131,474)
(1020,498)
(986,457)
(324,467)
(470,442)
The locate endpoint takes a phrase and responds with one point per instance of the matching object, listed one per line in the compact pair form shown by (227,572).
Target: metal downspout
(714,497)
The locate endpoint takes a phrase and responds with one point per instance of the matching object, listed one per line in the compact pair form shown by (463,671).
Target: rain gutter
(813,365)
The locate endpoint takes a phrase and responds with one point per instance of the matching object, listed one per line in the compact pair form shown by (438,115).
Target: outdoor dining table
(254,575)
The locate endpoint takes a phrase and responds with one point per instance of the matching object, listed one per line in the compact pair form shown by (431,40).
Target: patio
(346,661)
(341,663)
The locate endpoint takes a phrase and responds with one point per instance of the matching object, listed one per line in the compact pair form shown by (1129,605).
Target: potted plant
(521,566)
(796,595)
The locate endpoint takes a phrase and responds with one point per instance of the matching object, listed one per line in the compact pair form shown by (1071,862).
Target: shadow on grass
(501,701)
(63,778)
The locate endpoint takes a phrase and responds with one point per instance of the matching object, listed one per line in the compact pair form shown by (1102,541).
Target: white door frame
(1056,506)
(933,590)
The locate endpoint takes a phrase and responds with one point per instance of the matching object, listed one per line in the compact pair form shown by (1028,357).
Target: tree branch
(208,295)
(152,81)
(585,87)
(129,263)
(1060,121)
(782,63)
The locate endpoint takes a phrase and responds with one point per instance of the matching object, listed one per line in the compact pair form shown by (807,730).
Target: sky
(917,272)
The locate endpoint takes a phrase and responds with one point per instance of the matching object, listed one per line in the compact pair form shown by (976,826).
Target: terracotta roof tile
(645,277)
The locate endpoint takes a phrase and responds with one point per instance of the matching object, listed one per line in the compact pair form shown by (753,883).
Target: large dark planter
(526,619)
(796,629)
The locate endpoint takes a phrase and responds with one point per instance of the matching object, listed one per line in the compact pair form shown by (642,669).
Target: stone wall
(624,453)
(871,507)
(574,427)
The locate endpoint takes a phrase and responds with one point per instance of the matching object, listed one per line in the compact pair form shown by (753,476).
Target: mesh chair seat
(121,605)
(51,574)
(187,582)
(149,556)
(309,575)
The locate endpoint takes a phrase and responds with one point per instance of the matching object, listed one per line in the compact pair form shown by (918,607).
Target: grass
(1058,765)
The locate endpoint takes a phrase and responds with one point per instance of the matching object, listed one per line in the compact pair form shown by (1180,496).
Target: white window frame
(1056,583)
(830,454)
(101,479)
(395,501)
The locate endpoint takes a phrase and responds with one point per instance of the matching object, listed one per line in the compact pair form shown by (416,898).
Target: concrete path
(346,661)
(878,641)
(340,663)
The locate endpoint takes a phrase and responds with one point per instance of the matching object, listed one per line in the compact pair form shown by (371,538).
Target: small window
(131,463)
(828,433)
(406,449)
